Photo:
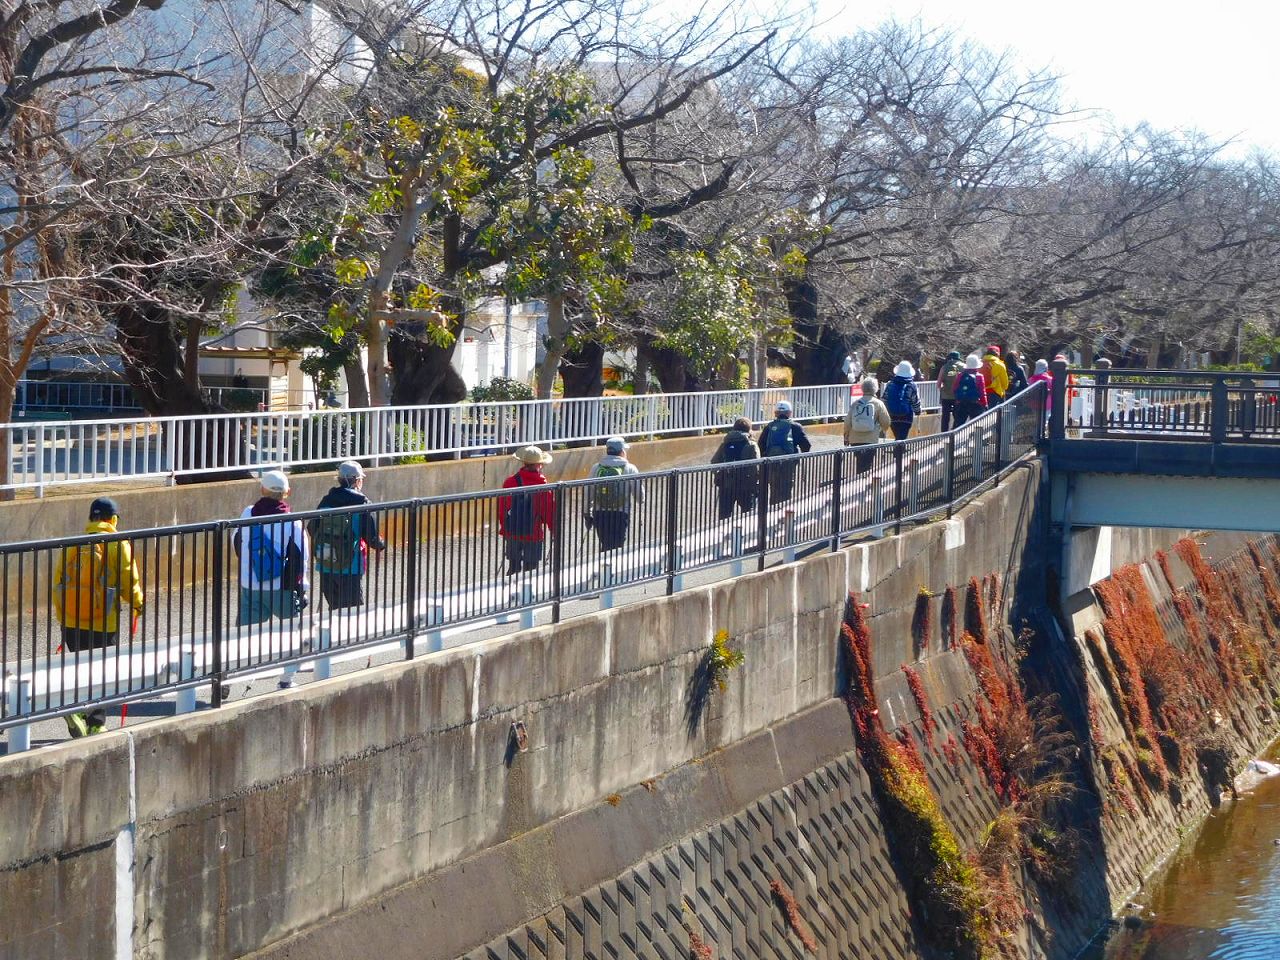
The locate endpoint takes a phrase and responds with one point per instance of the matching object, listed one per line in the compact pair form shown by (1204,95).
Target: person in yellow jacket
(996,375)
(92,582)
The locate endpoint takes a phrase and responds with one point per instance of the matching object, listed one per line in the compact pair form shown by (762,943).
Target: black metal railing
(1222,407)
(216,606)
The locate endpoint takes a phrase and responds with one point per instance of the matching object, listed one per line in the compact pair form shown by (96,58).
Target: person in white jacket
(865,423)
(273,557)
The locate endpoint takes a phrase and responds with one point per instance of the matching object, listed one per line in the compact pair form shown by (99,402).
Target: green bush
(501,389)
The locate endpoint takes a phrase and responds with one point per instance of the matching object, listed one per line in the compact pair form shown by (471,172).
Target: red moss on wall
(922,621)
(791,910)
(951,750)
(927,723)
(975,617)
(950,617)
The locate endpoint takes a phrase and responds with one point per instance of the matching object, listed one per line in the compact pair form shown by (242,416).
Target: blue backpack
(778,446)
(967,386)
(265,560)
(897,399)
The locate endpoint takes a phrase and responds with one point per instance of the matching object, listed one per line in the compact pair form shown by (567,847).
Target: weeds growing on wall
(927,723)
(942,884)
(950,617)
(922,621)
(709,677)
(786,902)
(975,614)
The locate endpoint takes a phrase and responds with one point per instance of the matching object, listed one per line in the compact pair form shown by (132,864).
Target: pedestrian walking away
(92,583)
(865,424)
(737,485)
(342,541)
(526,516)
(609,503)
(970,390)
(273,557)
(782,437)
(1017,373)
(1044,405)
(995,374)
(947,386)
(902,400)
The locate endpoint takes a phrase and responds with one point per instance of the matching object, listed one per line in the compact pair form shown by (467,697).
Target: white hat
(275,481)
(784,406)
(532,455)
(904,369)
(1042,366)
(971,362)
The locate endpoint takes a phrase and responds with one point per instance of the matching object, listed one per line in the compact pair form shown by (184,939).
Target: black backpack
(519,519)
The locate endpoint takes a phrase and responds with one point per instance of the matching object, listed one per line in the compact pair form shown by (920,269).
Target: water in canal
(1220,899)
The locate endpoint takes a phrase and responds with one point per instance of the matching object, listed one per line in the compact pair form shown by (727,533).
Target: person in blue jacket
(903,400)
(342,541)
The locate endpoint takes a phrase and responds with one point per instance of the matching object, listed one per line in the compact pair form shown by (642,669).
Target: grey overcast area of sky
(1214,67)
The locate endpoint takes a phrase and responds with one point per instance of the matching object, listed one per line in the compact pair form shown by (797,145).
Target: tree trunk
(357,386)
(422,371)
(820,350)
(642,373)
(557,341)
(671,369)
(155,367)
(7,393)
(1153,352)
(582,370)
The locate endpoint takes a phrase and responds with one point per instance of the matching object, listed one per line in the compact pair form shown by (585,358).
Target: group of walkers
(95,582)
(969,386)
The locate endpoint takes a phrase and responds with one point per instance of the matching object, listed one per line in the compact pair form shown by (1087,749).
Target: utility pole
(506,339)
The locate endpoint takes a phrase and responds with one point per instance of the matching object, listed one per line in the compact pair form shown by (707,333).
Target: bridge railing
(1222,407)
(206,618)
(44,454)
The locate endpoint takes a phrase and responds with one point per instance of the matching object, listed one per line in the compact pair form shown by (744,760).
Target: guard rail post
(19,697)
(762,516)
(40,459)
(412,544)
(218,599)
(557,553)
(1218,410)
(837,481)
(1058,401)
(673,506)
(949,476)
(1102,396)
(899,449)
(999,441)
(1248,407)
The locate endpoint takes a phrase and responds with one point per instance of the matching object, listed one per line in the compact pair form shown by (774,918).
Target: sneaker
(95,728)
(78,725)
(285,683)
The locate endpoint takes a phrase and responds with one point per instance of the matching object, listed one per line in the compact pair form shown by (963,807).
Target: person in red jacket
(525,517)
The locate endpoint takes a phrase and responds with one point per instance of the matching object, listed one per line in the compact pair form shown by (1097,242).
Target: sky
(1214,67)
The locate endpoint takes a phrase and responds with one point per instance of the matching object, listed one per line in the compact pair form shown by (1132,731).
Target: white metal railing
(56,453)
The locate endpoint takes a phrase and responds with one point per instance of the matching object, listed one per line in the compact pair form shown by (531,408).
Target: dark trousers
(342,590)
(75,640)
(523,555)
(782,478)
(993,398)
(901,427)
(948,410)
(611,527)
(864,458)
(966,410)
(729,497)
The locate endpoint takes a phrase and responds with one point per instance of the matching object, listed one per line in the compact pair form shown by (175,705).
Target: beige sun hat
(532,455)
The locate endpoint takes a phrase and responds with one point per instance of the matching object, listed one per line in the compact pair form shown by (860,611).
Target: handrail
(118,449)
(445,566)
